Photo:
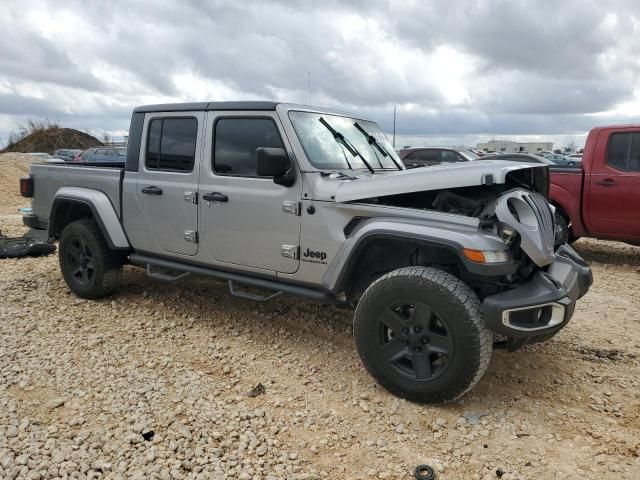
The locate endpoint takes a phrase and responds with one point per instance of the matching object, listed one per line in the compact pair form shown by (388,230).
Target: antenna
(309,88)
(394,127)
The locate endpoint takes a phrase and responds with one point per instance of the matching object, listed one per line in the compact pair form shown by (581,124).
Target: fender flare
(101,208)
(453,240)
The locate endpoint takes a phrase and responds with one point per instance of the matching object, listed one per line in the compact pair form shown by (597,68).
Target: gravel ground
(12,167)
(155,382)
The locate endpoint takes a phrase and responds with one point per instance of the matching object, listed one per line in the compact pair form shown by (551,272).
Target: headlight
(486,256)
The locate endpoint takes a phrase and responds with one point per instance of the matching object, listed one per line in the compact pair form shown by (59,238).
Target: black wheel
(420,334)
(563,231)
(89,267)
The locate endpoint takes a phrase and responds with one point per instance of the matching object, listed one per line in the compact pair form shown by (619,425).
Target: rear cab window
(171,144)
(624,151)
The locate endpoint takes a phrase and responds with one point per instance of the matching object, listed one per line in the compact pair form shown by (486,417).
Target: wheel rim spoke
(421,366)
(74,251)
(421,314)
(439,343)
(393,350)
(394,320)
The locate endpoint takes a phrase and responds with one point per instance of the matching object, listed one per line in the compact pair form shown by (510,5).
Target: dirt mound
(12,167)
(50,139)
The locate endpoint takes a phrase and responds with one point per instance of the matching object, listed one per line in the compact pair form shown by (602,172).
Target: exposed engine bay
(476,201)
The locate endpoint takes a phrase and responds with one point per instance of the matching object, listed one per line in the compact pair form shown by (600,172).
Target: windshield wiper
(339,137)
(374,141)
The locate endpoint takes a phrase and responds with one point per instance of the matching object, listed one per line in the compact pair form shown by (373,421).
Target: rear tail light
(26,186)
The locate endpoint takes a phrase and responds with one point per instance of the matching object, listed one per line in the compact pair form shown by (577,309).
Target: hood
(453,175)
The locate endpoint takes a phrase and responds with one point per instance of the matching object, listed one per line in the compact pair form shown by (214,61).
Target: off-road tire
(106,273)
(454,304)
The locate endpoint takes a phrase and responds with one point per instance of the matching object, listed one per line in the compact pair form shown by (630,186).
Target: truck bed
(49,178)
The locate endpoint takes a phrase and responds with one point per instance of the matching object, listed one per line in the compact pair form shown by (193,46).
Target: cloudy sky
(459,72)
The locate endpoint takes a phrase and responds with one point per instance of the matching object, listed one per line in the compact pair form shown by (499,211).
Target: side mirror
(275,163)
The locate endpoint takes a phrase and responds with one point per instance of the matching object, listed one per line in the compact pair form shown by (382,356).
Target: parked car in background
(426,156)
(561,159)
(102,155)
(519,157)
(40,155)
(600,197)
(66,154)
(46,158)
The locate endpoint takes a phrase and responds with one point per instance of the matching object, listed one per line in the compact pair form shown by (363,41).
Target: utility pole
(394,127)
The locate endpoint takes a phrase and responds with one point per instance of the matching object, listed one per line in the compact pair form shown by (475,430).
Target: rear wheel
(89,267)
(420,334)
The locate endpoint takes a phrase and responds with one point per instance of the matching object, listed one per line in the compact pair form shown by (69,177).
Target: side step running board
(251,296)
(154,264)
(165,275)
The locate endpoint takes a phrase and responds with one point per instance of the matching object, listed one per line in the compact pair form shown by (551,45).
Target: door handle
(607,182)
(215,197)
(152,190)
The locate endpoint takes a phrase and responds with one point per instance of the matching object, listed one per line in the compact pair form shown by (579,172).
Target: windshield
(469,155)
(325,153)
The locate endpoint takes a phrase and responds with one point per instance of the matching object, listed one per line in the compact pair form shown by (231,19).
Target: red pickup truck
(601,198)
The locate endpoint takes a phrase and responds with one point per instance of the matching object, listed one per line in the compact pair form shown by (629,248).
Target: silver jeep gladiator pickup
(441,263)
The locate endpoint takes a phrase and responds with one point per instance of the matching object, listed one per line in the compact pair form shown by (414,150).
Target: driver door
(247,221)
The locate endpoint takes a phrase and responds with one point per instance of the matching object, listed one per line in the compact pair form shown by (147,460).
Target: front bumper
(542,306)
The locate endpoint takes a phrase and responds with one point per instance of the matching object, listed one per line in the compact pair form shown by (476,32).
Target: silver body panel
(50,178)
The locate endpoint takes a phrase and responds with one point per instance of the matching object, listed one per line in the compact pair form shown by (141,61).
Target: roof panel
(183,107)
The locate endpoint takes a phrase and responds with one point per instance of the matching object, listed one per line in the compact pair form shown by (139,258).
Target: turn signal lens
(486,256)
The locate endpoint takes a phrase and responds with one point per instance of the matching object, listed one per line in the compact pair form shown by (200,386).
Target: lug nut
(405,331)
(417,329)
(424,340)
(417,349)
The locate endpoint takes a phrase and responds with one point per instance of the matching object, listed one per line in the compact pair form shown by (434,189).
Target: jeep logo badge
(314,257)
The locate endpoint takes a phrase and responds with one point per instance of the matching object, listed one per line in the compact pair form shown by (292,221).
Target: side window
(618,154)
(236,141)
(634,153)
(171,144)
(450,157)
(428,157)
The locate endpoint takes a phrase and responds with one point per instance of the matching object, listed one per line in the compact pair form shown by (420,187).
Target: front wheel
(420,334)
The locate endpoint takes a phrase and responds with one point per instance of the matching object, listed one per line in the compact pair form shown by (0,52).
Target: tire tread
(459,295)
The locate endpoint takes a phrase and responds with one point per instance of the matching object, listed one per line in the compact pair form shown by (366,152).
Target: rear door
(247,220)
(168,178)
(612,194)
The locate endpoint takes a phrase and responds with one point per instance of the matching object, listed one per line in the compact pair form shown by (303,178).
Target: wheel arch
(385,244)
(71,204)
(569,206)
(379,253)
